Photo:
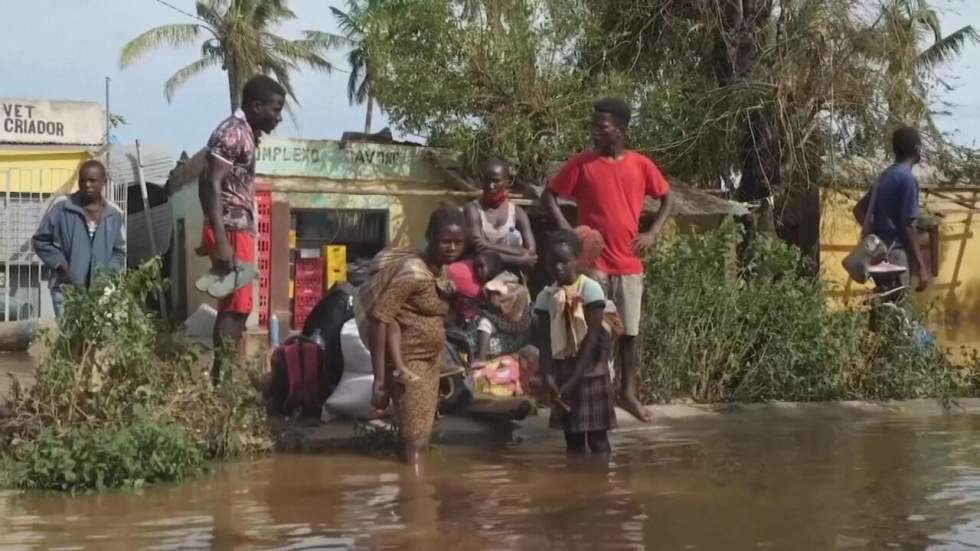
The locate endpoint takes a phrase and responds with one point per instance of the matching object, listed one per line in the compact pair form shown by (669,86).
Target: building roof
(157,164)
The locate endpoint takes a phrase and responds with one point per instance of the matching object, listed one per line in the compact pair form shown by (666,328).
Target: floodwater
(727,482)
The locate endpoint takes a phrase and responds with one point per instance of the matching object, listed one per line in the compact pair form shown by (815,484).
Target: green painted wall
(345,161)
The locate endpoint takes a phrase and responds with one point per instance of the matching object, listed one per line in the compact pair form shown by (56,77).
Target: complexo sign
(51,122)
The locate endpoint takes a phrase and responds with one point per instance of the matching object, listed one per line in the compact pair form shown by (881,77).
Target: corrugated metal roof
(137,236)
(157,164)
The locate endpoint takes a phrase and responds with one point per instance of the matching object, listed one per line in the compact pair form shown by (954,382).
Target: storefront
(324,207)
(41,145)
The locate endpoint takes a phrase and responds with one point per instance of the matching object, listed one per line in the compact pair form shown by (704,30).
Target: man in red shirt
(608,185)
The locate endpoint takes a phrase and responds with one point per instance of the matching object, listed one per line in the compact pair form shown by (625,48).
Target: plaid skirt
(593,405)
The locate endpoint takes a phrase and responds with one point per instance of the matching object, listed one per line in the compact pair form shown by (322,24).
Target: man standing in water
(80,233)
(896,207)
(227,197)
(609,184)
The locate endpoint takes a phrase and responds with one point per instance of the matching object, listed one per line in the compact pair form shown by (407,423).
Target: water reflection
(733,483)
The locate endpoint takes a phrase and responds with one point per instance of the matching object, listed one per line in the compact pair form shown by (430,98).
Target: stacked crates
(263,210)
(307,288)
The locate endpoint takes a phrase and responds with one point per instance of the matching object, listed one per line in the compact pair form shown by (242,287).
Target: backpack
(299,377)
(329,316)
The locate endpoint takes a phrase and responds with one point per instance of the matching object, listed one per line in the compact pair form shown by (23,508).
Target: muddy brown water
(715,483)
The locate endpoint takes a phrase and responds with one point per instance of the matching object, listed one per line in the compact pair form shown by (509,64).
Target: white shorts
(626,292)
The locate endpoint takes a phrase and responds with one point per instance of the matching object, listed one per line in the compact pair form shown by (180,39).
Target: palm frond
(328,41)
(173,35)
(211,11)
(304,51)
(212,48)
(356,60)
(186,73)
(346,23)
(269,12)
(947,47)
(364,90)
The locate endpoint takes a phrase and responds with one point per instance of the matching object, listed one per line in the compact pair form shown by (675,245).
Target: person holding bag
(887,214)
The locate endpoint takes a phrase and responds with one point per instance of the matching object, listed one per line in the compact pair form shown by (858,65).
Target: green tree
(360,83)
(240,37)
(903,26)
(505,82)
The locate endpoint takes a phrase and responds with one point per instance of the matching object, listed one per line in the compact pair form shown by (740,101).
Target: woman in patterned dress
(401,312)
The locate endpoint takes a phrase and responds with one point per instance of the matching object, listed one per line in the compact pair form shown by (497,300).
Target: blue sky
(63,49)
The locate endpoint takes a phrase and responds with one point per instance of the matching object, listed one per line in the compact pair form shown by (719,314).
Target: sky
(64,49)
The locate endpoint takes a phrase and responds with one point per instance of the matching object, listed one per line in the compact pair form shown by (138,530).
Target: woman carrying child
(573,365)
(401,313)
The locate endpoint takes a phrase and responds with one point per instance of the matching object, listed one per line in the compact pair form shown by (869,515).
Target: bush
(131,456)
(111,361)
(722,327)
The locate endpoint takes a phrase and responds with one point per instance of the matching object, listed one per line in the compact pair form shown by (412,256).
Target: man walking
(227,194)
(896,207)
(609,184)
(80,233)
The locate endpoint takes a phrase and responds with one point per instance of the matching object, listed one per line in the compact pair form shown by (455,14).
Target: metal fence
(24,196)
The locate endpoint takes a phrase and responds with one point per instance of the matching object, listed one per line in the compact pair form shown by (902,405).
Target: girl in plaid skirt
(570,327)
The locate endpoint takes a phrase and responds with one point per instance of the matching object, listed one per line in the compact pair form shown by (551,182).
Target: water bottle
(274,331)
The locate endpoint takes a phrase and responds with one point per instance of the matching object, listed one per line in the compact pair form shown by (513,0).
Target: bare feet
(633,406)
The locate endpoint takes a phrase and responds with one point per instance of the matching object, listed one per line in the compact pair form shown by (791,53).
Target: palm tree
(240,38)
(902,26)
(360,84)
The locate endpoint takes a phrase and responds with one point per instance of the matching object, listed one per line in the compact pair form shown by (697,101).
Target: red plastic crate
(263,208)
(263,203)
(303,303)
(308,267)
(308,275)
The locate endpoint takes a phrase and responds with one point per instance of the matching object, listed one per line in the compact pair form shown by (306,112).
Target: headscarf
(592,247)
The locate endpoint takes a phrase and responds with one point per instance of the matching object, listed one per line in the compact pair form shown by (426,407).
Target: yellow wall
(953,300)
(40,170)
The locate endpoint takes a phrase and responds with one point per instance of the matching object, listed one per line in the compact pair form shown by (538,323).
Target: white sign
(51,122)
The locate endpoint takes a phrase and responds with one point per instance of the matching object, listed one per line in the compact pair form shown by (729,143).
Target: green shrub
(85,457)
(719,328)
(110,361)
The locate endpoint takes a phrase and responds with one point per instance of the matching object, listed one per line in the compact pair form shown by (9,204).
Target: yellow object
(40,169)
(292,287)
(334,264)
(950,302)
(292,239)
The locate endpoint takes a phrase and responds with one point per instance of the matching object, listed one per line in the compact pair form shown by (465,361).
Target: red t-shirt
(609,195)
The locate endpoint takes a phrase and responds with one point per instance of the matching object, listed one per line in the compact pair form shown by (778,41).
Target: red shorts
(243,243)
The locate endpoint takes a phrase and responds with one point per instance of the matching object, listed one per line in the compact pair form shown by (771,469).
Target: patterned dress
(410,294)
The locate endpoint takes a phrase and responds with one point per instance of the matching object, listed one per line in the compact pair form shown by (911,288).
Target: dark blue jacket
(62,240)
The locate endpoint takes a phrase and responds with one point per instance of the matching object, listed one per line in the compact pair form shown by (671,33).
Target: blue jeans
(58,301)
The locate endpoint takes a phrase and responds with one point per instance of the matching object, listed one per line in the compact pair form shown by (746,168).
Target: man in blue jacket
(79,233)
